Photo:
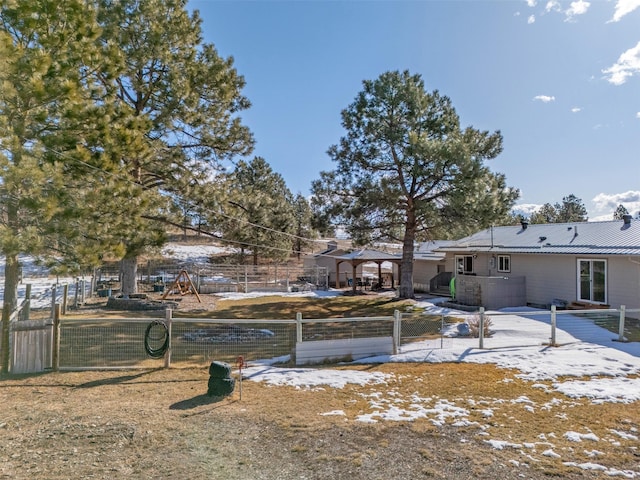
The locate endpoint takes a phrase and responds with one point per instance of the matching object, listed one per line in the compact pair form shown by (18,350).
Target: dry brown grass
(160,424)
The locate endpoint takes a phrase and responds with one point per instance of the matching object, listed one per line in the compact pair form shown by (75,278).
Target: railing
(440,280)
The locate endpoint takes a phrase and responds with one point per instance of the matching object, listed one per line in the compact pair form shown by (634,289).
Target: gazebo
(358,257)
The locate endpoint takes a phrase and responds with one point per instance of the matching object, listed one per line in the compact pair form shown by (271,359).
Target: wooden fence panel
(32,342)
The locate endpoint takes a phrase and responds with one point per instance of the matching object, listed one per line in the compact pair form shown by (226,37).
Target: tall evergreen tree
(546,214)
(187,98)
(260,214)
(51,116)
(570,210)
(303,230)
(406,169)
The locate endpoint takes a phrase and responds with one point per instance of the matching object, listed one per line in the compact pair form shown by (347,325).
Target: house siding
(551,277)
(623,282)
(424,271)
(547,256)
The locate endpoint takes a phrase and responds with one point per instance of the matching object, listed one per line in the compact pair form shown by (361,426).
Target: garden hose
(160,351)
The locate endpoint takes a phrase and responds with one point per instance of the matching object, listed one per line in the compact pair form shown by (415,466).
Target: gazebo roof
(367,255)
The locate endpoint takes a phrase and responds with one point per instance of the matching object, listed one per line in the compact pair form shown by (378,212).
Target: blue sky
(560,80)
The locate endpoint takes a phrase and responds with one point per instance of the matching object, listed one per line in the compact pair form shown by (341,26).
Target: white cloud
(624,7)
(544,98)
(578,7)
(638,115)
(525,209)
(553,6)
(606,203)
(532,3)
(576,109)
(627,65)
(531,19)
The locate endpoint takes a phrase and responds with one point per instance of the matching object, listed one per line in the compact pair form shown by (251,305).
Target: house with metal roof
(592,263)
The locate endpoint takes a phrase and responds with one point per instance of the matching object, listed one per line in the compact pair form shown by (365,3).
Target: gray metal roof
(367,255)
(592,238)
(428,251)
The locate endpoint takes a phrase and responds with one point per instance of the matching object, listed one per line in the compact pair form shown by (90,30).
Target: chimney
(524,224)
(626,219)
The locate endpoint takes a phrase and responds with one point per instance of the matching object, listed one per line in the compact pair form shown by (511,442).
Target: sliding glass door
(592,281)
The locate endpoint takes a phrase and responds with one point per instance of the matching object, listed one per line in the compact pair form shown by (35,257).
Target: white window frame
(502,261)
(464,259)
(579,292)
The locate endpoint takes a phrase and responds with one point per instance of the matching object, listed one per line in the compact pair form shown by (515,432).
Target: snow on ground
(519,341)
(193,253)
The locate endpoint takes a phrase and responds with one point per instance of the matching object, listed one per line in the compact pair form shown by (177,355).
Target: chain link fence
(217,278)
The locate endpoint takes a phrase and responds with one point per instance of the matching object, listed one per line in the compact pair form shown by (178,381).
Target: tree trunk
(405,289)
(9,304)
(129,283)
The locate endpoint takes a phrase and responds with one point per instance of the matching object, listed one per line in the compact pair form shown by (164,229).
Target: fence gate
(31,346)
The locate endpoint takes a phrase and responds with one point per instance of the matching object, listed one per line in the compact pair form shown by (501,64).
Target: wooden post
(167,354)
(55,361)
(65,294)
(26,312)
(54,293)
(76,297)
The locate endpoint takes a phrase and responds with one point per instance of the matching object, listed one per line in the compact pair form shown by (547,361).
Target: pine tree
(571,210)
(620,212)
(406,169)
(186,99)
(303,230)
(48,120)
(259,215)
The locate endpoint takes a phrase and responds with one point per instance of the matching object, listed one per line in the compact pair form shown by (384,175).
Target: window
(504,263)
(592,281)
(464,264)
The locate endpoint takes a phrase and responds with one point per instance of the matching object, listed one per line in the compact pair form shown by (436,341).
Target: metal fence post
(621,326)
(481,329)
(167,354)
(397,328)
(299,327)
(553,326)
